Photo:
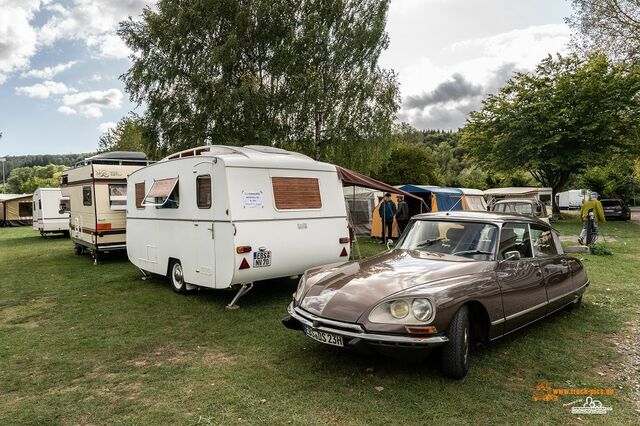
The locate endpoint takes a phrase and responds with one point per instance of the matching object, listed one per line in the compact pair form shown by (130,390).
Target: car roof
(478,216)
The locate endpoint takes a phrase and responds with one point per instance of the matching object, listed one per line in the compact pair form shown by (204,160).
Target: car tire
(176,277)
(455,353)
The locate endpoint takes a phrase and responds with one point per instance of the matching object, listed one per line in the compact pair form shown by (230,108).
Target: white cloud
(44,90)
(66,110)
(48,72)
(17,36)
(485,62)
(109,46)
(90,104)
(106,126)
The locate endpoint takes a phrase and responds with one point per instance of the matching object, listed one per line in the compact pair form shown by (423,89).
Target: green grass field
(95,344)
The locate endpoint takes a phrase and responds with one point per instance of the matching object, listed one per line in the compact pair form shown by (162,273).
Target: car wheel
(455,353)
(78,249)
(176,277)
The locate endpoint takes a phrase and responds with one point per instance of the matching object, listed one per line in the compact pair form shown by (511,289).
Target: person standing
(593,205)
(402,216)
(387,212)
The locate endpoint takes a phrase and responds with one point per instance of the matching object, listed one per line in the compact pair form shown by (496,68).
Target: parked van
(223,217)
(49,211)
(97,191)
(572,199)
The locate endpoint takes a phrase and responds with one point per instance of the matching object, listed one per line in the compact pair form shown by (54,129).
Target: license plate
(323,337)
(261,259)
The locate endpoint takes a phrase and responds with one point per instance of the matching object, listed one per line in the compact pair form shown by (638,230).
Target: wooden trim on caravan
(296,193)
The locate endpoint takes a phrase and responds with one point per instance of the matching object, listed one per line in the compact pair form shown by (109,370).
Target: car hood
(347,291)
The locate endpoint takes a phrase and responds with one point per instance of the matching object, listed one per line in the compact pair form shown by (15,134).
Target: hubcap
(465,343)
(177,275)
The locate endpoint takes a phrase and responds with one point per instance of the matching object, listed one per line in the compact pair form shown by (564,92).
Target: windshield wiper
(471,252)
(425,243)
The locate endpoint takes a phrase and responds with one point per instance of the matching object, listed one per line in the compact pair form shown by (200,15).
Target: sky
(60,62)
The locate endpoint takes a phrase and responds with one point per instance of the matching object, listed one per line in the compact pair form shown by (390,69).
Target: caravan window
(118,196)
(25,209)
(164,194)
(39,204)
(65,206)
(87,200)
(203,191)
(293,193)
(140,194)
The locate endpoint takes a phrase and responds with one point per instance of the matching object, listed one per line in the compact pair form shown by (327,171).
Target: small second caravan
(49,215)
(222,217)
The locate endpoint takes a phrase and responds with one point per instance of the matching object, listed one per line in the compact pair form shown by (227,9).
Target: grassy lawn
(85,344)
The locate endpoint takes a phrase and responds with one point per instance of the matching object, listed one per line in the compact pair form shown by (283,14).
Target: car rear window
(610,203)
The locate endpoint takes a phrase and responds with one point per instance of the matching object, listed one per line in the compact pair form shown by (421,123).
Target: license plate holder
(261,259)
(324,337)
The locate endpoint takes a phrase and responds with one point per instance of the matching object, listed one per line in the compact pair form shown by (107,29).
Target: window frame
(119,207)
(84,198)
(204,206)
(553,240)
(528,230)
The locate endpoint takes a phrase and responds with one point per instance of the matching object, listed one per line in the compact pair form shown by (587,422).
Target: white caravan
(223,217)
(572,199)
(47,206)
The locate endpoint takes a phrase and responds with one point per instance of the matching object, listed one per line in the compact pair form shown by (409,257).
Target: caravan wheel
(78,249)
(176,276)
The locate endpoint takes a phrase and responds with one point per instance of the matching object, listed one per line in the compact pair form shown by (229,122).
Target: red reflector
(344,252)
(243,249)
(421,330)
(344,240)
(244,264)
(104,226)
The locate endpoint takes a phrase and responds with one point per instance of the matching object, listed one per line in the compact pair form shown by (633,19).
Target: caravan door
(203,236)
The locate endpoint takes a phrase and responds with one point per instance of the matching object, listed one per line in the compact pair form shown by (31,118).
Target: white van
(222,217)
(47,206)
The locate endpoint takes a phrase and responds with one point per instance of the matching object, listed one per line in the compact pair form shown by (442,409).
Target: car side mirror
(512,255)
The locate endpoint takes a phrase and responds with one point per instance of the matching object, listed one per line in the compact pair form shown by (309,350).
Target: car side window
(515,237)
(544,245)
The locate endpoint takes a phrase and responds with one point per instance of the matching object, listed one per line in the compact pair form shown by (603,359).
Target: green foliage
(41,160)
(25,180)
(301,75)
(130,134)
(600,249)
(409,164)
(614,179)
(565,116)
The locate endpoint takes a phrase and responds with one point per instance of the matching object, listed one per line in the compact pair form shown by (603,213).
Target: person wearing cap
(592,205)
(402,216)
(387,211)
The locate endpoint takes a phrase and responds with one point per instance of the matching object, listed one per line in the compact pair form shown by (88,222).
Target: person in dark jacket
(402,216)
(387,212)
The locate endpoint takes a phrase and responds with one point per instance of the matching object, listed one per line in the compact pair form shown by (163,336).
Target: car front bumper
(356,337)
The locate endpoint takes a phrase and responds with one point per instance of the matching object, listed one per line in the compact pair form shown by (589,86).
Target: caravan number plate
(261,258)
(322,337)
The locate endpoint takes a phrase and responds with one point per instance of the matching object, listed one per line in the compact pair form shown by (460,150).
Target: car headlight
(422,309)
(397,312)
(298,294)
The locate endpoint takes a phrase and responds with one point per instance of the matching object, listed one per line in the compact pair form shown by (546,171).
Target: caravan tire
(78,250)
(176,277)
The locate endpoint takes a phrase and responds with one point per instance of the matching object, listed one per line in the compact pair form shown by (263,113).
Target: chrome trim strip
(498,322)
(384,338)
(567,294)
(341,324)
(526,311)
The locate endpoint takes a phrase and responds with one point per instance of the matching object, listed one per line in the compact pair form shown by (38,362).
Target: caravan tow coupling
(244,289)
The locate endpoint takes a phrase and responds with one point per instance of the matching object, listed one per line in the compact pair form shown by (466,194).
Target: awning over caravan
(442,199)
(351,178)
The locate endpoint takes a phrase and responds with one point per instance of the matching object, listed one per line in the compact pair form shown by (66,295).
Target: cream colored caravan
(97,191)
(49,216)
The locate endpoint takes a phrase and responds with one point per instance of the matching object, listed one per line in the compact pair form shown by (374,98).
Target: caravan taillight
(344,240)
(243,249)
(104,226)
(244,264)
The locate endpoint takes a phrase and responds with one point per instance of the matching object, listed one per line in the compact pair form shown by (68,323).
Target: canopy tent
(16,209)
(351,178)
(435,198)
(473,199)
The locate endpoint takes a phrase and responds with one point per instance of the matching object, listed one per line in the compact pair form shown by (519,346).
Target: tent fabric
(376,221)
(10,210)
(361,203)
(351,178)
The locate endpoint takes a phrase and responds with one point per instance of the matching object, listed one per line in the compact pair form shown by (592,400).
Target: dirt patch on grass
(168,355)
(26,315)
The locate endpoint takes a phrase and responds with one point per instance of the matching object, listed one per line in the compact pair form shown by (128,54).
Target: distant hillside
(41,160)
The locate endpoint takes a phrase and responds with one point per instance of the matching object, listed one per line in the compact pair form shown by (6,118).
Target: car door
(524,297)
(555,265)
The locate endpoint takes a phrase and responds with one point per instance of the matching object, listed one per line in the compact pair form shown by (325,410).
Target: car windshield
(469,239)
(520,208)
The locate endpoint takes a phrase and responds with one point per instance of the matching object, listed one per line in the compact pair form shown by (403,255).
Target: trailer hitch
(244,289)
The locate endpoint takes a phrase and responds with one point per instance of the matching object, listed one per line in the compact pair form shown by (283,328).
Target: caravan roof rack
(122,158)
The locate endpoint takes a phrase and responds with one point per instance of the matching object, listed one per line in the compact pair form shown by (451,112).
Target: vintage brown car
(453,278)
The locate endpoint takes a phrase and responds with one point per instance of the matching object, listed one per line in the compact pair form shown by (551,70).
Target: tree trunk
(318,136)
